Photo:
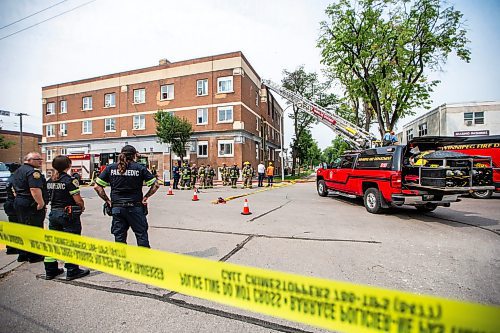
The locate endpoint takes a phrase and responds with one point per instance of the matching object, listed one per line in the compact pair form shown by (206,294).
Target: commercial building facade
(234,118)
(459,119)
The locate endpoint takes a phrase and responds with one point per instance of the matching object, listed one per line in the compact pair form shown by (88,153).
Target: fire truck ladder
(350,132)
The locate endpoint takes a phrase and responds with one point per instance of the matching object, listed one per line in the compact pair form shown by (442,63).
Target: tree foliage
(381,51)
(309,153)
(333,152)
(5,144)
(174,131)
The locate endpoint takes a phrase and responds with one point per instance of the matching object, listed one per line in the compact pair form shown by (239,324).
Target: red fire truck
(82,167)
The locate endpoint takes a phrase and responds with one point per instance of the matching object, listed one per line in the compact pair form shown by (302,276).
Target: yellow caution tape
(324,303)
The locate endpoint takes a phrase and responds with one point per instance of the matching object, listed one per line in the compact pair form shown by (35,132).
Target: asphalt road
(452,252)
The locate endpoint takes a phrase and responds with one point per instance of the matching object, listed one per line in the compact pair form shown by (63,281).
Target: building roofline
(156,67)
(34,135)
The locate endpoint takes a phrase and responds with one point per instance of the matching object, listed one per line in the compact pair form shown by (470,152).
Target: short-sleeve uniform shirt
(27,177)
(126,187)
(61,191)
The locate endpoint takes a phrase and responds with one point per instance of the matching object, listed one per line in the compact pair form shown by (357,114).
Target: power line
(50,18)
(24,18)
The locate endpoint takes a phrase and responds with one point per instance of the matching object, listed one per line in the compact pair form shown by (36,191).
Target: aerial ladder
(350,132)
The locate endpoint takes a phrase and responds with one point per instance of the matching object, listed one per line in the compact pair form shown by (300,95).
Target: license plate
(428,197)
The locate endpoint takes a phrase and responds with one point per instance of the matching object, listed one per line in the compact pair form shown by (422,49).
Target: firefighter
(224,175)
(210,176)
(234,173)
(194,175)
(8,206)
(202,174)
(128,204)
(66,207)
(30,188)
(247,173)
(185,177)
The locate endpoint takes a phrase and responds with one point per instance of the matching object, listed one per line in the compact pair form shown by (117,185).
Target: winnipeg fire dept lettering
(134,173)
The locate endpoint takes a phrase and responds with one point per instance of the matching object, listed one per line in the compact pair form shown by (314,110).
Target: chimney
(164,62)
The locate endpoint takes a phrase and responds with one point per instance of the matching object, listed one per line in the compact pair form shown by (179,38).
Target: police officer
(128,204)
(202,175)
(8,205)
(31,197)
(177,174)
(66,206)
(234,173)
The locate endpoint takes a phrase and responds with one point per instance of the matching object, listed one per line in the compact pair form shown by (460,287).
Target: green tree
(382,51)
(4,144)
(309,152)
(174,131)
(307,85)
(333,152)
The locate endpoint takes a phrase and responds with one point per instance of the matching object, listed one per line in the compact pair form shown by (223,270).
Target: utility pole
(21,134)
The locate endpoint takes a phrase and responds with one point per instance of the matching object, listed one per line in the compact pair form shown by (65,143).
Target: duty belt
(126,204)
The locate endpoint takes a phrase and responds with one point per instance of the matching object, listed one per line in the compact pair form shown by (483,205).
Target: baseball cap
(128,149)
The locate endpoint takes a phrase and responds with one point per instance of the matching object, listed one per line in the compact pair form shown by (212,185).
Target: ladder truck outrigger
(355,135)
(418,174)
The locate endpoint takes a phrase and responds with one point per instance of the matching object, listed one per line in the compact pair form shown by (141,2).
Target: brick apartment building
(234,118)
(31,142)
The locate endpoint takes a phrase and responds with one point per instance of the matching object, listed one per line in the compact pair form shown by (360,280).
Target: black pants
(28,214)
(176,183)
(59,221)
(133,217)
(270,180)
(261,179)
(8,208)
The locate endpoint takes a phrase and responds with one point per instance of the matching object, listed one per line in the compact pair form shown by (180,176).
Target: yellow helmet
(246,162)
(270,163)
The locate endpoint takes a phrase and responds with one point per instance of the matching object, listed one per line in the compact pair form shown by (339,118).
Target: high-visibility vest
(270,171)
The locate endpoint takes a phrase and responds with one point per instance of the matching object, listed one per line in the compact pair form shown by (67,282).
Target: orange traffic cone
(195,196)
(170,192)
(246,210)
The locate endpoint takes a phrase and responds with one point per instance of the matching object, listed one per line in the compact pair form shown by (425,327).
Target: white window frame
(109,122)
(87,103)
(202,87)
(422,129)
(64,151)
(63,105)
(87,129)
(139,122)
(202,144)
(409,134)
(204,115)
(110,100)
(50,131)
(221,89)
(140,96)
(257,98)
(225,142)
(167,92)
(50,108)
(63,129)
(225,109)
(50,155)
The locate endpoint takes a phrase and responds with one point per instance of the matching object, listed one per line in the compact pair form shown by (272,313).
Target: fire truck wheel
(427,208)
(322,190)
(373,201)
(482,194)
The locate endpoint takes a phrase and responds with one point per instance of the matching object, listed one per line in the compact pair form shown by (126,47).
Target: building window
(87,103)
(409,134)
(50,130)
(64,107)
(139,122)
(473,118)
(139,96)
(257,151)
(109,100)
(422,129)
(202,87)
(257,98)
(167,91)
(225,114)
(64,151)
(225,148)
(478,118)
(50,155)
(202,148)
(202,116)
(51,108)
(225,84)
(87,127)
(257,122)
(63,129)
(109,125)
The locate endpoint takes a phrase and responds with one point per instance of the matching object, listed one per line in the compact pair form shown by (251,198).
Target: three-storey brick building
(234,118)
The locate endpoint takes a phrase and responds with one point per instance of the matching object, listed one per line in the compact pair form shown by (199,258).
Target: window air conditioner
(107,105)
(468,122)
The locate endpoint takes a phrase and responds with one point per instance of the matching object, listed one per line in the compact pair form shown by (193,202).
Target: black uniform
(126,198)
(8,207)
(27,177)
(62,218)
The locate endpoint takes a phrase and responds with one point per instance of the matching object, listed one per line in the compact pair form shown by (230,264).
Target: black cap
(128,149)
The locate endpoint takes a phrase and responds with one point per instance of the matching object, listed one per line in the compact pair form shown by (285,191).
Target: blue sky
(108,36)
